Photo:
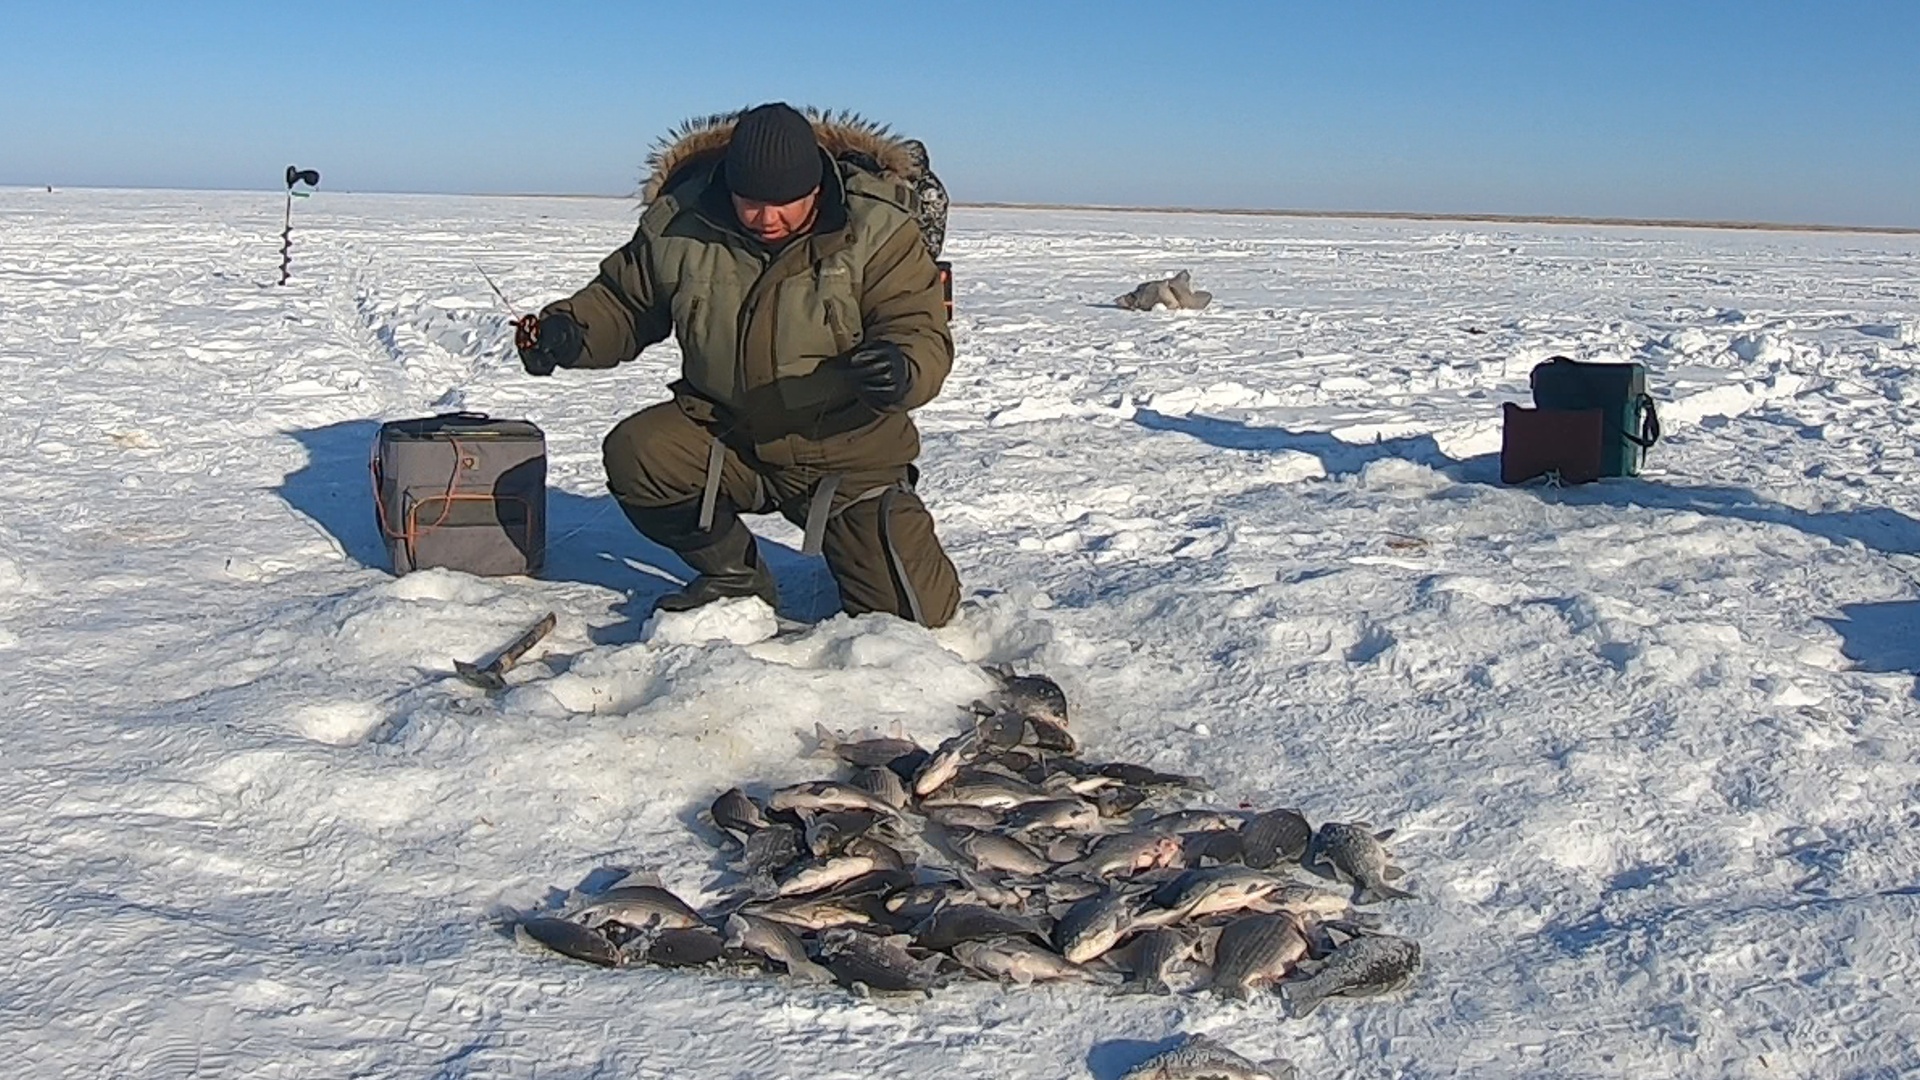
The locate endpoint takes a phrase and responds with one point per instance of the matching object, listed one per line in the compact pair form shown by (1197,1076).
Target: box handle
(1649,424)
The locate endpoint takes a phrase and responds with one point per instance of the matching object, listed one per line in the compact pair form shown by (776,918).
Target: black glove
(552,342)
(878,373)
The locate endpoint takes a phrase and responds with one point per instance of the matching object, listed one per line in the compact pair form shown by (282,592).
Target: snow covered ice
(1649,745)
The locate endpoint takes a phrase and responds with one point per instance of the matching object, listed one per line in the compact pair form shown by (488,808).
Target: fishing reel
(526,332)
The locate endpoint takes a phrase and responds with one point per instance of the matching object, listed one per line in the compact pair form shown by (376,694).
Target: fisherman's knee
(650,460)
(896,569)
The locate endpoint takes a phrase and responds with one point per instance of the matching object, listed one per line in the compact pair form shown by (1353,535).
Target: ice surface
(1649,745)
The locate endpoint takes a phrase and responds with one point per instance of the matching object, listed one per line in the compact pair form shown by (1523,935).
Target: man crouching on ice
(811,319)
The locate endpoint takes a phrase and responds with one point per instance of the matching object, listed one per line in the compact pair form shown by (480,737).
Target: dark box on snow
(1628,424)
(1591,420)
(1537,442)
(462,491)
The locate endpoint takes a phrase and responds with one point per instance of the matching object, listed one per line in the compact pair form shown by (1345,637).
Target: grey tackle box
(462,491)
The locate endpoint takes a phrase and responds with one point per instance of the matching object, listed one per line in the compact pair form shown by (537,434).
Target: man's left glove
(879,374)
(552,341)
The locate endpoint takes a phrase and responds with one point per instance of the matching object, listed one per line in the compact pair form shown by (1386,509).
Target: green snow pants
(875,533)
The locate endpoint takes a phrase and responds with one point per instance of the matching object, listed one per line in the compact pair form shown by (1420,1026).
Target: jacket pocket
(846,330)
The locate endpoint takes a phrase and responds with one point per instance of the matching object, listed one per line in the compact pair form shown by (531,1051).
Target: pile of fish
(1003,854)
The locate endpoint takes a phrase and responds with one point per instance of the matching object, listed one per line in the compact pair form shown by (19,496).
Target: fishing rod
(526,328)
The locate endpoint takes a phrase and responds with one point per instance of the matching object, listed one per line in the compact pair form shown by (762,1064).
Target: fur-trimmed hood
(845,136)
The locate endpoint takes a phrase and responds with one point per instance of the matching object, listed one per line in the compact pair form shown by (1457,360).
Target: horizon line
(1733,225)
(1483,218)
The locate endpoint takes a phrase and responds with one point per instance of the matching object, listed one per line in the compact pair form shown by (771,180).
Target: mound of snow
(740,622)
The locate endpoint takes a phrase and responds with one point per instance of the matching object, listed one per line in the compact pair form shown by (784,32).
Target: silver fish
(1071,890)
(1187,821)
(820,912)
(821,796)
(882,965)
(1000,730)
(1309,902)
(1154,955)
(829,833)
(1050,736)
(569,938)
(683,946)
(945,762)
(1274,837)
(638,906)
(990,792)
(883,784)
(1031,697)
(875,884)
(919,902)
(1067,815)
(1094,925)
(766,854)
(1213,890)
(993,893)
(978,818)
(860,857)
(1023,963)
(1354,852)
(1058,847)
(1367,965)
(991,851)
(1066,783)
(862,753)
(736,814)
(1210,848)
(1256,951)
(1140,776)
(777,942)
(1203,1059)
(956,923)
(1118,801)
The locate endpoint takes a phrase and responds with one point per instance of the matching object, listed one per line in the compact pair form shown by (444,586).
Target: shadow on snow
(588,539)
(1112,1059)
(1879,529)
(1881,637)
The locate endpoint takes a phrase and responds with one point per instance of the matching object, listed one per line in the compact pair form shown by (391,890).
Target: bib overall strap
(819,509)
(710,495)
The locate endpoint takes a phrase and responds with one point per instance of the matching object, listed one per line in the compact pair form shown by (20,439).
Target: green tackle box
(1629,426)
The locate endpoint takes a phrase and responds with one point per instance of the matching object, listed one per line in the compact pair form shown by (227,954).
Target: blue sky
(1757,110)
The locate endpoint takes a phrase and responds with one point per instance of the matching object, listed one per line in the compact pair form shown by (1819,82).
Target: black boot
(728,568)
(725,556)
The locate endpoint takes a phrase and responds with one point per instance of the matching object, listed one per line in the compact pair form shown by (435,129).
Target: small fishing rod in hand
(526,328)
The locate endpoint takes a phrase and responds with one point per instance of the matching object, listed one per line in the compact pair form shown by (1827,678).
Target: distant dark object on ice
(1176,292)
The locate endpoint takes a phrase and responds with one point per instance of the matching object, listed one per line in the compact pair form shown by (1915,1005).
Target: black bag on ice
(462,491)
(1628,424)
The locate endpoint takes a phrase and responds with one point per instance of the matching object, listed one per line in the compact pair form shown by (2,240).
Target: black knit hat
(773,156)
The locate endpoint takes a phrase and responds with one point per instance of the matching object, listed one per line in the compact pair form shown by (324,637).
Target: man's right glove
(553,341)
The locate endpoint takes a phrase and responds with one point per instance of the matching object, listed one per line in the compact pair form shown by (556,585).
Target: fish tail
(825,742)
(927,970)
(1303,998)
(1383,891)
(808,971)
